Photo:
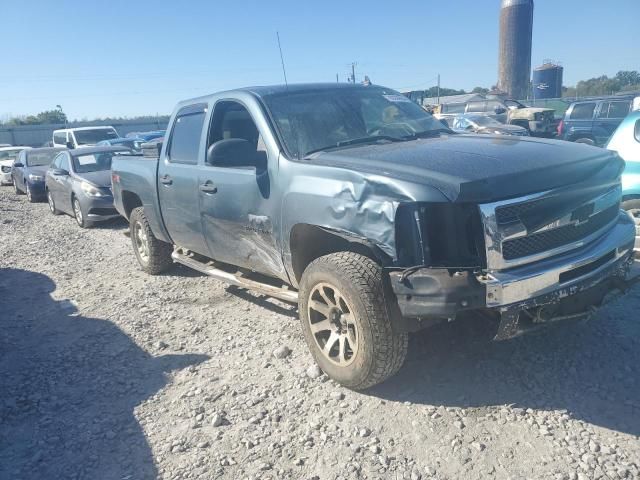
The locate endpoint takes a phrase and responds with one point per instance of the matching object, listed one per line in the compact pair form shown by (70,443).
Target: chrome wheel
(142,242)
(77,211)
(333,325)
(29,193)
(52,206)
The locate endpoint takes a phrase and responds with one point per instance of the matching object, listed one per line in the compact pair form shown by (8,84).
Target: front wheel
(80,215)
(346,321)
(15,187)
(633,207)
(585,140)
(52,204)
(30,196)
(154,256)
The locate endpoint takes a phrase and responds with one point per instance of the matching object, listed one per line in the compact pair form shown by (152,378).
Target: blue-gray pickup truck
(374,218)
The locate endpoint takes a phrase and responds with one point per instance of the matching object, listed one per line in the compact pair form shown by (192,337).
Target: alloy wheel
(332,324)
(52,206)
(142,242)
(77,212)
(28,193)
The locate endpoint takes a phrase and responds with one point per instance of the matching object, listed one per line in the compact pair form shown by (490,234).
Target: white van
(82,136)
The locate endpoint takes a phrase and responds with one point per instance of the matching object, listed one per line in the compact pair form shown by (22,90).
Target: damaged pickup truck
(357,205)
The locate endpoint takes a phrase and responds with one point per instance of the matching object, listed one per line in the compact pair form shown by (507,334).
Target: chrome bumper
(564,274)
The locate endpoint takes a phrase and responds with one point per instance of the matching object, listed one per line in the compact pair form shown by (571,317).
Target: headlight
(6,169)
(35,178)
(91,190)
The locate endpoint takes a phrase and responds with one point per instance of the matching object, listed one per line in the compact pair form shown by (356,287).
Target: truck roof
(76,129)
(266,90)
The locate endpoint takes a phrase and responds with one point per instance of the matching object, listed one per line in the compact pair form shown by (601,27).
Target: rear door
(579,121)
(178,179)
(609,116)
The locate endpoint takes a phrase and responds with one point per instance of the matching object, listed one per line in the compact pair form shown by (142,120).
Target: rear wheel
(80,215)
(154,256)
(346,321)
(52,205)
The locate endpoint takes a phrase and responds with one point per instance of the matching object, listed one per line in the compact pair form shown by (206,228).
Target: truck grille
(529,229)
(552,239)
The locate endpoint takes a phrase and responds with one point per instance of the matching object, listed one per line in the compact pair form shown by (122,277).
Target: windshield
(10,154)
(91,137)
(38,159)
(94,162)
(485,121)
(309,121)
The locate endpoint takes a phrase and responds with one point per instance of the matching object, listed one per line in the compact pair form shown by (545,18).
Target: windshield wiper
(427,133)
(356,141)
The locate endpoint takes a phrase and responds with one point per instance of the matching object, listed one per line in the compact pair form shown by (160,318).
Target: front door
(238,211)
(60,188)
(178,179)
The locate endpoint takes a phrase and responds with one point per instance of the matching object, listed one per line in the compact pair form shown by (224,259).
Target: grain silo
(514,63)
(547,80)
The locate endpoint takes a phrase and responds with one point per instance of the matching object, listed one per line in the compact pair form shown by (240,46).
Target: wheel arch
(130,201)
(308,242)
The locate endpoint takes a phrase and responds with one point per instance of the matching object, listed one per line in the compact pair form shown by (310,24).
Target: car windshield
(9,154)
(91,137)
(93,162)
(37,159)
(485,121)
(310,121)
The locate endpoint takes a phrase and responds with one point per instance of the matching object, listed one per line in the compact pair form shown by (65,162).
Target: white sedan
(7,157)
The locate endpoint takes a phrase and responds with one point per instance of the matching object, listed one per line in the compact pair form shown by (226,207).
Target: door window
(64,162)
(232,120)
(583,111)
(614,110)
(60,138)
(184,143)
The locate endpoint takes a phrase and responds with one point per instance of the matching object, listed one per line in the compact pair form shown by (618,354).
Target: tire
(154,256)
(16,189)
(79,214)
(633,207)
(30,196)
(368,351)
(52,204)
(585,140)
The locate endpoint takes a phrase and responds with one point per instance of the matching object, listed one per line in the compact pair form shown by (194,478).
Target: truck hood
(481,169)
(99,179)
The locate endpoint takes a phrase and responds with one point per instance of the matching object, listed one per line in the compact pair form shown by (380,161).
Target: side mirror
(233,152)
(59,172)
(18,165)
(500,110)
(70,145)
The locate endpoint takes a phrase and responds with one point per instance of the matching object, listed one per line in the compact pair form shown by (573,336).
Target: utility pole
(438,89)
(353,72)
(337,81)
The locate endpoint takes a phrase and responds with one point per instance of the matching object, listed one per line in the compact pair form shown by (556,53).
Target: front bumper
(99,208)
(429,293)
(5,178)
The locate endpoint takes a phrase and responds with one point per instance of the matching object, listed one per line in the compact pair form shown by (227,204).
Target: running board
(237,279)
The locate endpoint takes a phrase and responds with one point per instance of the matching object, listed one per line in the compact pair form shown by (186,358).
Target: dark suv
(594,121)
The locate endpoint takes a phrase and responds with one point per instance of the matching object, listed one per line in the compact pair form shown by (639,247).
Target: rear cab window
(184,142)
(583,111)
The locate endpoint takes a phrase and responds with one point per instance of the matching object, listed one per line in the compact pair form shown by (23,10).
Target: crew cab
(356,204)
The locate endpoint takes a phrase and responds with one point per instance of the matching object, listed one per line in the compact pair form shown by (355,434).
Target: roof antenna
(284,71)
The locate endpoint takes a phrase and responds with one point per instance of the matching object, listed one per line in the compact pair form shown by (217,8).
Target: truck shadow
(590,369)
(69,386)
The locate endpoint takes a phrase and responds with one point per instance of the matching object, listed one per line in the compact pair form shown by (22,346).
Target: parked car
(482,124)
(594,121)
(132,143)
(626,142)
(78,183)
(82,136)
(358,205)
(7,157)
(29,170)
(147,136)
(540,122)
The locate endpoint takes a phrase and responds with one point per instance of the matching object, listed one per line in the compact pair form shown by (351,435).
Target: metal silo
(514,64)
(547,81)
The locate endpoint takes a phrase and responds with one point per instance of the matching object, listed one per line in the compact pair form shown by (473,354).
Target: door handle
(208,187)
(166,180)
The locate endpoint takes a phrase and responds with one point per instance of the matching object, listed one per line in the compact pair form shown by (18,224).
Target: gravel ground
(106,372)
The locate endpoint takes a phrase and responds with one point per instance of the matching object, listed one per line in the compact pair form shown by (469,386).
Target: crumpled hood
(481,169)
(99,179)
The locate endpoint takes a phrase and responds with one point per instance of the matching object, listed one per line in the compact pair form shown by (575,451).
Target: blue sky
(124,58)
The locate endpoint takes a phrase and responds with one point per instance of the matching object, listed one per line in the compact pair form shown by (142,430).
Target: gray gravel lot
(106,372)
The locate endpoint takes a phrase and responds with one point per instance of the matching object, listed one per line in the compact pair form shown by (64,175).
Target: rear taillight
(560,128)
